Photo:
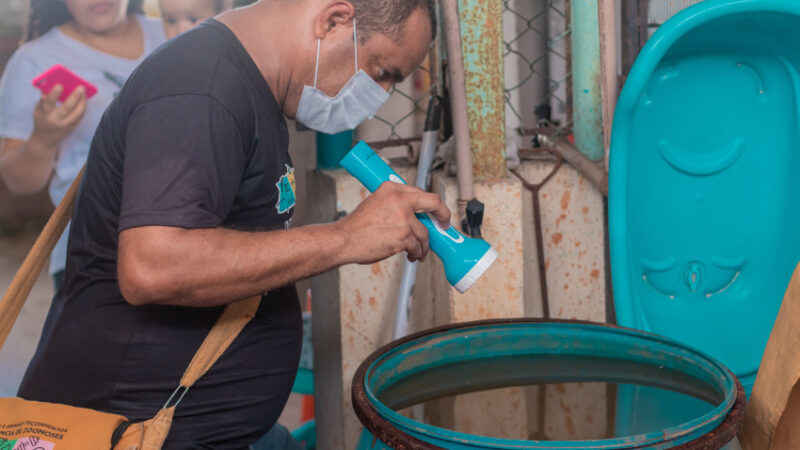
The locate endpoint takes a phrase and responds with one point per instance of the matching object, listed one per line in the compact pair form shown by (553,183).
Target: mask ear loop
(316,67)
(355,41)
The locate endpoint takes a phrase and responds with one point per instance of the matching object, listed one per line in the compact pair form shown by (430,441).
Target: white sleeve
(18,97)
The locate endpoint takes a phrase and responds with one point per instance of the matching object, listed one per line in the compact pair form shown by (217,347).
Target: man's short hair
(388,17)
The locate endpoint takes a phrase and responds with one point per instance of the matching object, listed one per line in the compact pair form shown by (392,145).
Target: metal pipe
(537,222)
(435,67)
(586,91)
(634,32)
(608,66)
(429,139)
(586,167)
(458,101)
(405,142)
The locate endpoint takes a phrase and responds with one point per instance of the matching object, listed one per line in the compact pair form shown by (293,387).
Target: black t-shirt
(195,139)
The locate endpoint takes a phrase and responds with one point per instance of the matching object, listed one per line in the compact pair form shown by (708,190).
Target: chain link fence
(403,116)
(639,20)
(659,11)
(537,62)
(537,74)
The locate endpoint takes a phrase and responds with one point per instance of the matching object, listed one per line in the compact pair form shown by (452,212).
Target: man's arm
(212,267)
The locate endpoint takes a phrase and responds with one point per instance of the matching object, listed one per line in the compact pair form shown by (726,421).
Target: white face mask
(359,100)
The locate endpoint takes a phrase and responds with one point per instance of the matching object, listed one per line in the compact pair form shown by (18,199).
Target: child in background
(183,15)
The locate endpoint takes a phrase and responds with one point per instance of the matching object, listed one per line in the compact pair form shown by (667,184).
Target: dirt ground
(21,343)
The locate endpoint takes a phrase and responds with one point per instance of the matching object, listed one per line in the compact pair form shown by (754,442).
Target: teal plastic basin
(702,183)
(492,354)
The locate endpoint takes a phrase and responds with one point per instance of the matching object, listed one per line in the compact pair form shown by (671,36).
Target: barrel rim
(392,435)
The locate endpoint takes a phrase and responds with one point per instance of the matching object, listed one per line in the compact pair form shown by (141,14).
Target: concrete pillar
(354,306)
(573,231)
(353,310)
(498,294)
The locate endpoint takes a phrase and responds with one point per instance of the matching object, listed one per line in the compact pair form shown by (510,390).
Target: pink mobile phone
(59,74)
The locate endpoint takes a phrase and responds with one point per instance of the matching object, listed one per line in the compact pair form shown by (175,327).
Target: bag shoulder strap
(232,320)
(22,283)
(228,326)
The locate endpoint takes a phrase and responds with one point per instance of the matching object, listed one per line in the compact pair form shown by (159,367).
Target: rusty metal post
(482,44)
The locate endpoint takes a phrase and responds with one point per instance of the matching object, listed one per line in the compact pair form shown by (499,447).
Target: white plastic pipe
(429,139)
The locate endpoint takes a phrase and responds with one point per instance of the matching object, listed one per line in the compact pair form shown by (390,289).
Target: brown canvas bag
(772,418)
(33,425)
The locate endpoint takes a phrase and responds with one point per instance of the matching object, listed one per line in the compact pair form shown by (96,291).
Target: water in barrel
(590,404)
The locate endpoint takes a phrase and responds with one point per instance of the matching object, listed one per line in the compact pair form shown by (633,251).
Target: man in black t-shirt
(185,206)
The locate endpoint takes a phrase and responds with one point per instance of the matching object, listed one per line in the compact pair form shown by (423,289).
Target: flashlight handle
(372,171)
(464,259)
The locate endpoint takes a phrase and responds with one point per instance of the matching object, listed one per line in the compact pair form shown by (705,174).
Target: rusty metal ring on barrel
(384,382)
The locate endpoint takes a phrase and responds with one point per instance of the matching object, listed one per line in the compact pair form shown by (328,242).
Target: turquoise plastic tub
(703,183)
(491,354)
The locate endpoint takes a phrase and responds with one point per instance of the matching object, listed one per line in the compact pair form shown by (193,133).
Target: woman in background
(42,140)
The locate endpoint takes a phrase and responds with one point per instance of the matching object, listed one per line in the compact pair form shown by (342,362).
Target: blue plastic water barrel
(475,356)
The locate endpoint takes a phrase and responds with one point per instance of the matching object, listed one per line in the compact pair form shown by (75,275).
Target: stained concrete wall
(353,309)
(498,294)
(573,227)
(354,306)
(574,244)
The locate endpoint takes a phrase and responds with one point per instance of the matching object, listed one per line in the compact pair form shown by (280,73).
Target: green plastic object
(306,435)
(331,148)
(703,183)
(304,382)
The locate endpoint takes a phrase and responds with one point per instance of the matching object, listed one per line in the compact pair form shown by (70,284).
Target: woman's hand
(26,166)
(54,122)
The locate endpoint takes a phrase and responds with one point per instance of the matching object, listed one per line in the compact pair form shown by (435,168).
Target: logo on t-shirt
(286,191)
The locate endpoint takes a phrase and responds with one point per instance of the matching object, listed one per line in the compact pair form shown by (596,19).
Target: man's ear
(335,14)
